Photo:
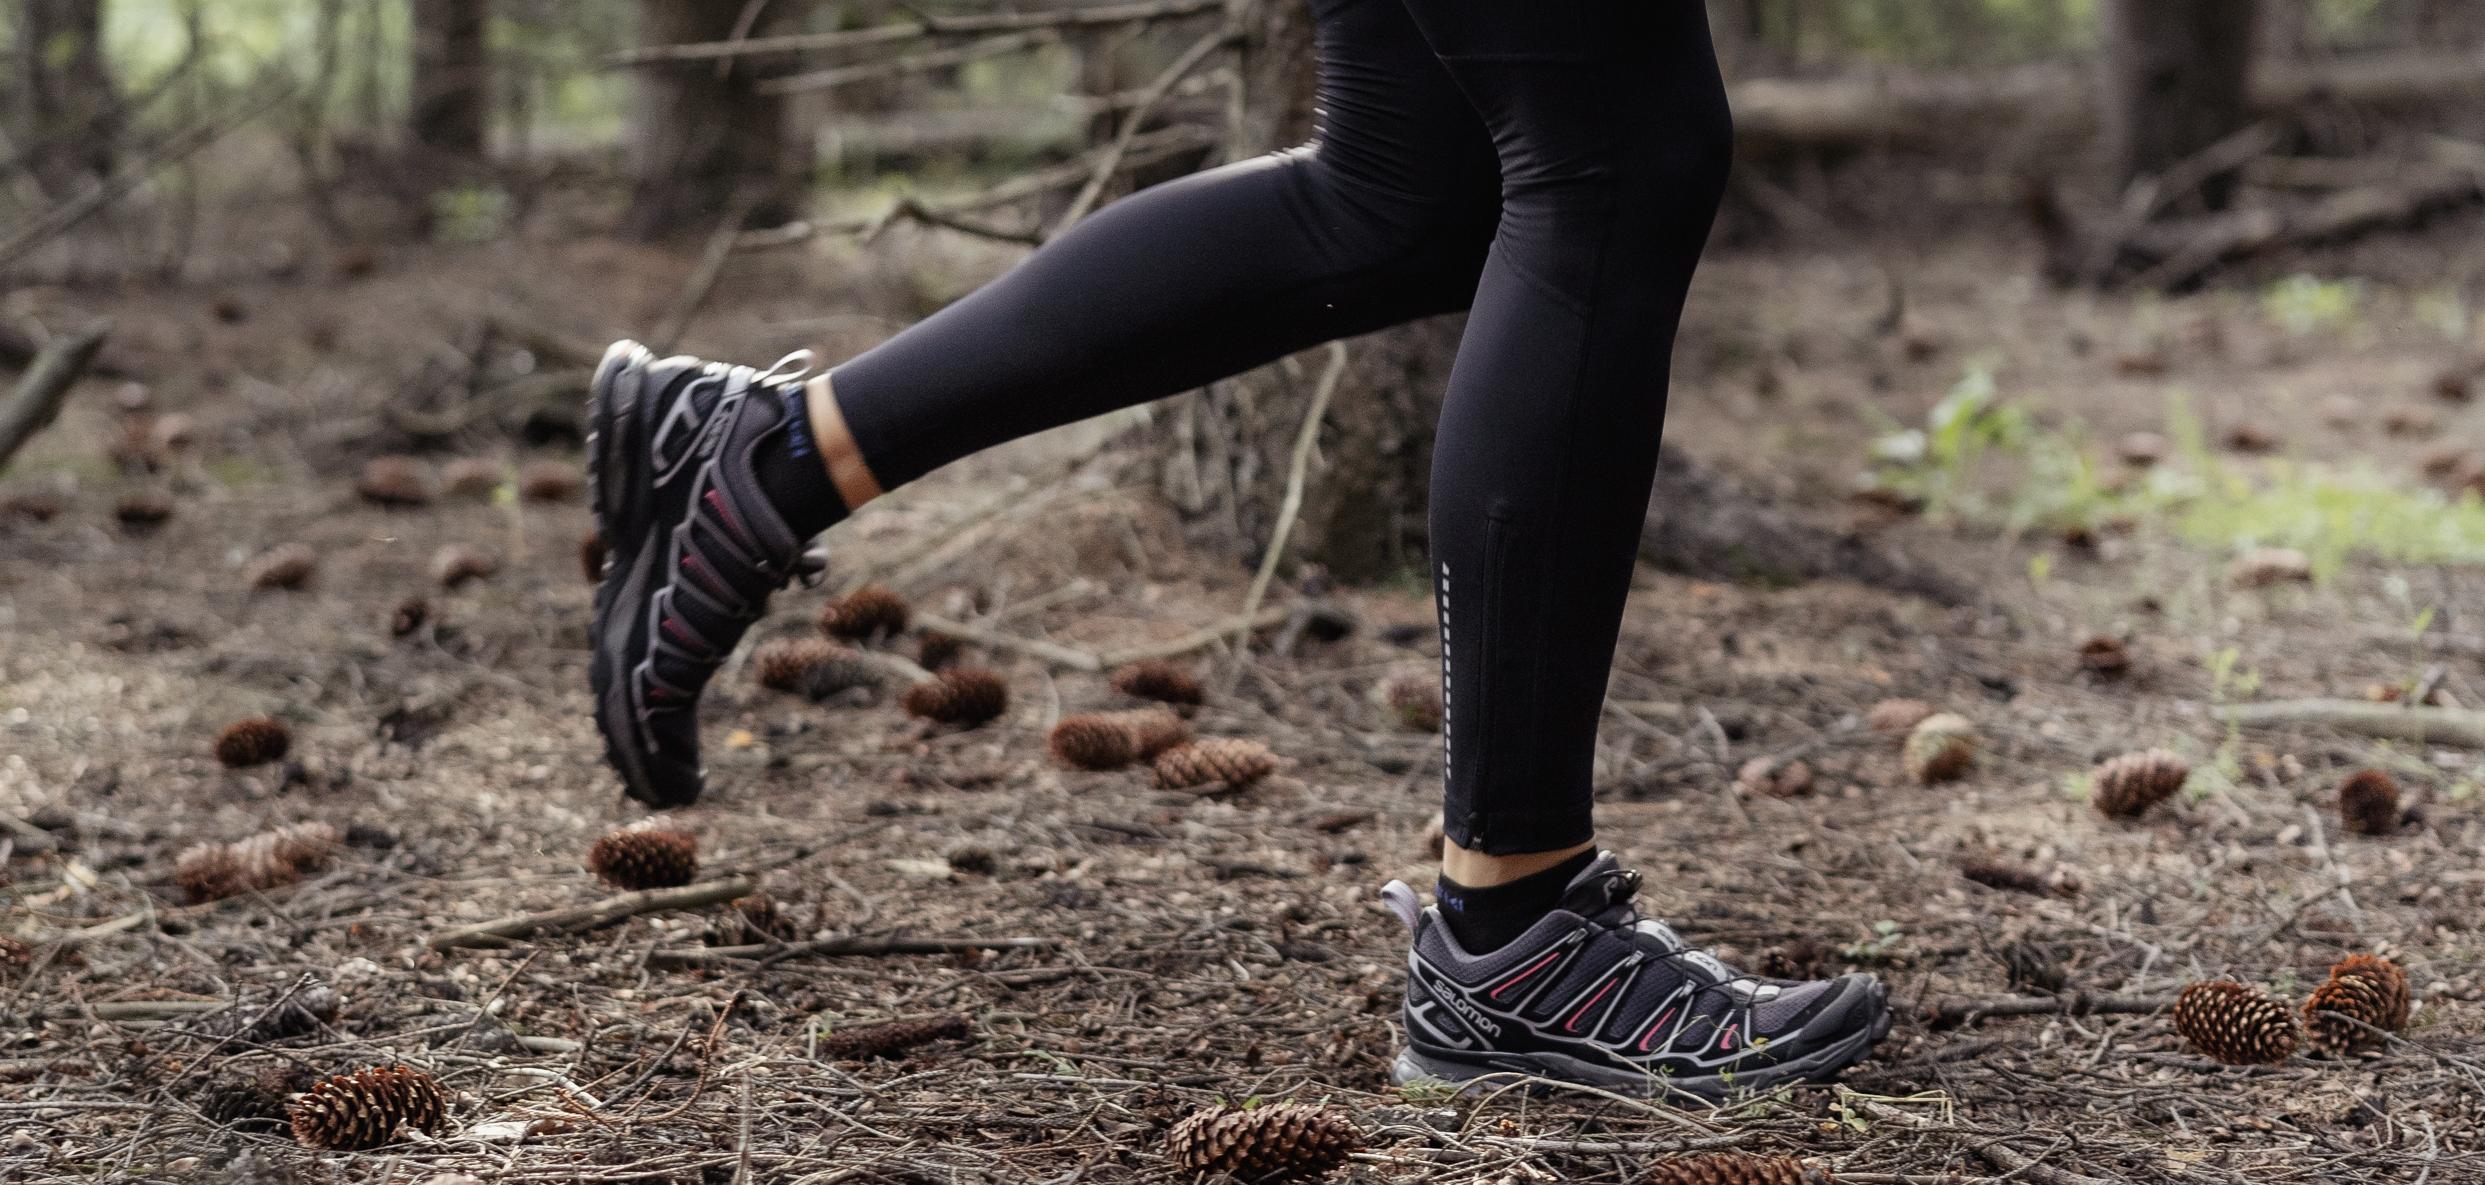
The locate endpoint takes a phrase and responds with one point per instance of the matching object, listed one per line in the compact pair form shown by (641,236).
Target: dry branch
(46,386)
(2395,722)
(938,59)
(1111,161)
(892,944)
(925,25)
(1144,150)
(593,914)
(1959,1011)
(1298,472)
(173,150)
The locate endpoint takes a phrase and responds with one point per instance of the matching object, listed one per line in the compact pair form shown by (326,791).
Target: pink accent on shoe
(1654,1029)
(1572,1025)
(1521,977)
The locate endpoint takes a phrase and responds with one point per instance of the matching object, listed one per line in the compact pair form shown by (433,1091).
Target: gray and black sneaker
(694,547)
(1597,995)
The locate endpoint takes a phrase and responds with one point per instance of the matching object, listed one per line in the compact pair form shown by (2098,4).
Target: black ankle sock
(1484,920)
(795,478)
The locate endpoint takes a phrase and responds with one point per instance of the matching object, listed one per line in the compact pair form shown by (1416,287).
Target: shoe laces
(1619,887)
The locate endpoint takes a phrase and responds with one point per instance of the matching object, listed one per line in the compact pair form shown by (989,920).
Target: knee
(1385,204)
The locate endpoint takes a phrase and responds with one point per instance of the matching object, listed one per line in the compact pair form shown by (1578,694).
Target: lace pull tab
(792,368)
(1401,900)
(811,567)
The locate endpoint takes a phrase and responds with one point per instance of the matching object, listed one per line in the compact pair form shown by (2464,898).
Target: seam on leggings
(1565,472)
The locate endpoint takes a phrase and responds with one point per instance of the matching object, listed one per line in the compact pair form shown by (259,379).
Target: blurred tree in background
(64,113)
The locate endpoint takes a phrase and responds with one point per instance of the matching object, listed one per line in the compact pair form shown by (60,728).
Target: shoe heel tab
(1401,900)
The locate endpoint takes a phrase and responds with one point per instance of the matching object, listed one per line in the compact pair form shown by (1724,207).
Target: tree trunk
(701,138)
(1226,449)
(64,112)
(451,81)
(2177,80)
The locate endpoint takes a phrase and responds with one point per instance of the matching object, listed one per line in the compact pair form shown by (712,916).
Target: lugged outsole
(1541,1072)
(610,434)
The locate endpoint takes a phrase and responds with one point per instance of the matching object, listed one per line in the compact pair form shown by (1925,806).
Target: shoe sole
(1538,1071)
(620,508)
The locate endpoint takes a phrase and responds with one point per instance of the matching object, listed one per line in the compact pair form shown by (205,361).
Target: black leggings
(1553,166)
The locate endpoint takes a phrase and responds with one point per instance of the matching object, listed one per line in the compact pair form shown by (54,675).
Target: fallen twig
(593,914)
(1298,472)
(1953,1012)
(2396,722)
(45,387)
(925,25)
(891,944)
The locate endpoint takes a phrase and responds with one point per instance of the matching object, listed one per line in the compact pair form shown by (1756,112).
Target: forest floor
(1187,949)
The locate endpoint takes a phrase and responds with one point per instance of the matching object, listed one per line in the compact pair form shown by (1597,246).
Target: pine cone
(750,920)
(2370,988)
(287,566)
(1995,873)
(2105,657)
(1416,701)
(2368,803)
(1940,748)
(966,696)
(1898,716)
(34,506)
(211,871)
(841,669)
(1766,775)
(1736,1168)
(470,477)
(1092,742)
(2127,786)
(891,1038)
(394,482)
(456,564)
(937,651)
(548,481)
(408,616)
(645,857)
(253,740)
(592,552)
(867,614)
(366,1109)
(1162,681)
(2354,998)
(2235,1024)
(1285,1142)
(142,509)
(1111,740)
(785,664)
(1214,761)
(207,872)
(256,1097)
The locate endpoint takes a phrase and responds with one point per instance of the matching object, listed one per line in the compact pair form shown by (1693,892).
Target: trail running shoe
(694,547)
(1597,995)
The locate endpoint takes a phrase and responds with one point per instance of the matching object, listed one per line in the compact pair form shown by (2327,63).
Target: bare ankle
(1477,870)
(847,469)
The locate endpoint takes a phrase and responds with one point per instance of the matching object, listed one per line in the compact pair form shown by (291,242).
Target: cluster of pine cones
(2365,998)
(1160,736)
(957,694)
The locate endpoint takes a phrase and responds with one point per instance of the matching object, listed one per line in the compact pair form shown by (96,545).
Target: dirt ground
(1190,949)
